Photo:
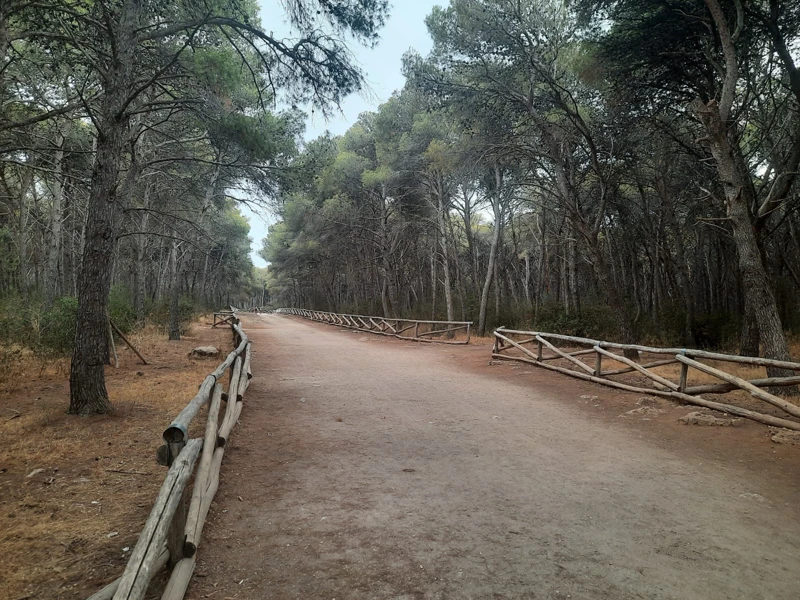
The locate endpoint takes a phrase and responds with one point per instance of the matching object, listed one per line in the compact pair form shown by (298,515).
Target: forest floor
(75,492)
(368,467)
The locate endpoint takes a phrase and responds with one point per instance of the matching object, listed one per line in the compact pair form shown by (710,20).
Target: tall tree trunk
(527,280)
(52,279)
(88,393)
(174,295)
(541,264)
(739,197)
(434,282)
(140,292)
(572,254)
(497,209)
(441,216)
(26,183)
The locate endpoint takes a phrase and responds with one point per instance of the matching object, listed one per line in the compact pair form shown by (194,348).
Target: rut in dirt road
(368,467)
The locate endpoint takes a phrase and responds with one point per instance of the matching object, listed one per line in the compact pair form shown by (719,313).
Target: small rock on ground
(203,351)
(643,410)
(785,436)
(703,418)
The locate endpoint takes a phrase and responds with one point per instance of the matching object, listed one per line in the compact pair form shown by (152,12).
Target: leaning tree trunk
(739,197)
(88,393)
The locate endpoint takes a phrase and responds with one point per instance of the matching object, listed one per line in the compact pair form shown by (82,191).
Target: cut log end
(189,549)
(173,435)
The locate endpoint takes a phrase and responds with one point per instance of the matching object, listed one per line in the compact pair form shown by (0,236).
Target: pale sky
(382,65)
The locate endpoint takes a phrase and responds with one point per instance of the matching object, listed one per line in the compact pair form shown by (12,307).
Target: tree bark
(26,183)
(739,197)
(174,295)
(88,393)
(497,209)
(140,292)
(441,216)
(52,278)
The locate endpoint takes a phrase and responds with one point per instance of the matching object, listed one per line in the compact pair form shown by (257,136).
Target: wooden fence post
(684,377)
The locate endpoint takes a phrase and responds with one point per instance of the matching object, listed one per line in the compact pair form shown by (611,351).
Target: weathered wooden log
(179,579)
(784,405)
(107,593)
(439,331)
(722,388)
(626,361)
(383,326)
(175,532)
(748,360)
(577,353)
(208,493)
(572,359)
(244,377)
(225,365)
(246,368)
(651,365)
(201,478)
(179,428)
(406,328)
(111,341)
(515,345)
(124,339)
(233,399)
(696,400)
(141,565)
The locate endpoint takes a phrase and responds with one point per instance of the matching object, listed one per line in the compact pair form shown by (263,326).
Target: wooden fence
(404,329)
(173,529)
(539,349)
(224,317)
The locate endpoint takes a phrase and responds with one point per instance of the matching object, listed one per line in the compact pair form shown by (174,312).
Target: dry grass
(18,363)
(66,527)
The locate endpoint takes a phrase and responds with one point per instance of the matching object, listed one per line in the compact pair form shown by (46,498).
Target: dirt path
(368,467)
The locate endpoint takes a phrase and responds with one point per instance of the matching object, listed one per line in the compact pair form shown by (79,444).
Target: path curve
(368,467)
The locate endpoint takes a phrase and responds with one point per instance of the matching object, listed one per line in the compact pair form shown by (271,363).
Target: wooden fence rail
(172,532)
(539,348)
(439,332)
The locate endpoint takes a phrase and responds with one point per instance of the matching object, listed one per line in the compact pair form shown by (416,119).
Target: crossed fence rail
(539,349)
(416,330)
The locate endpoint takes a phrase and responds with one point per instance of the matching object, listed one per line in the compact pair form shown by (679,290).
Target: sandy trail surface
(368,467)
